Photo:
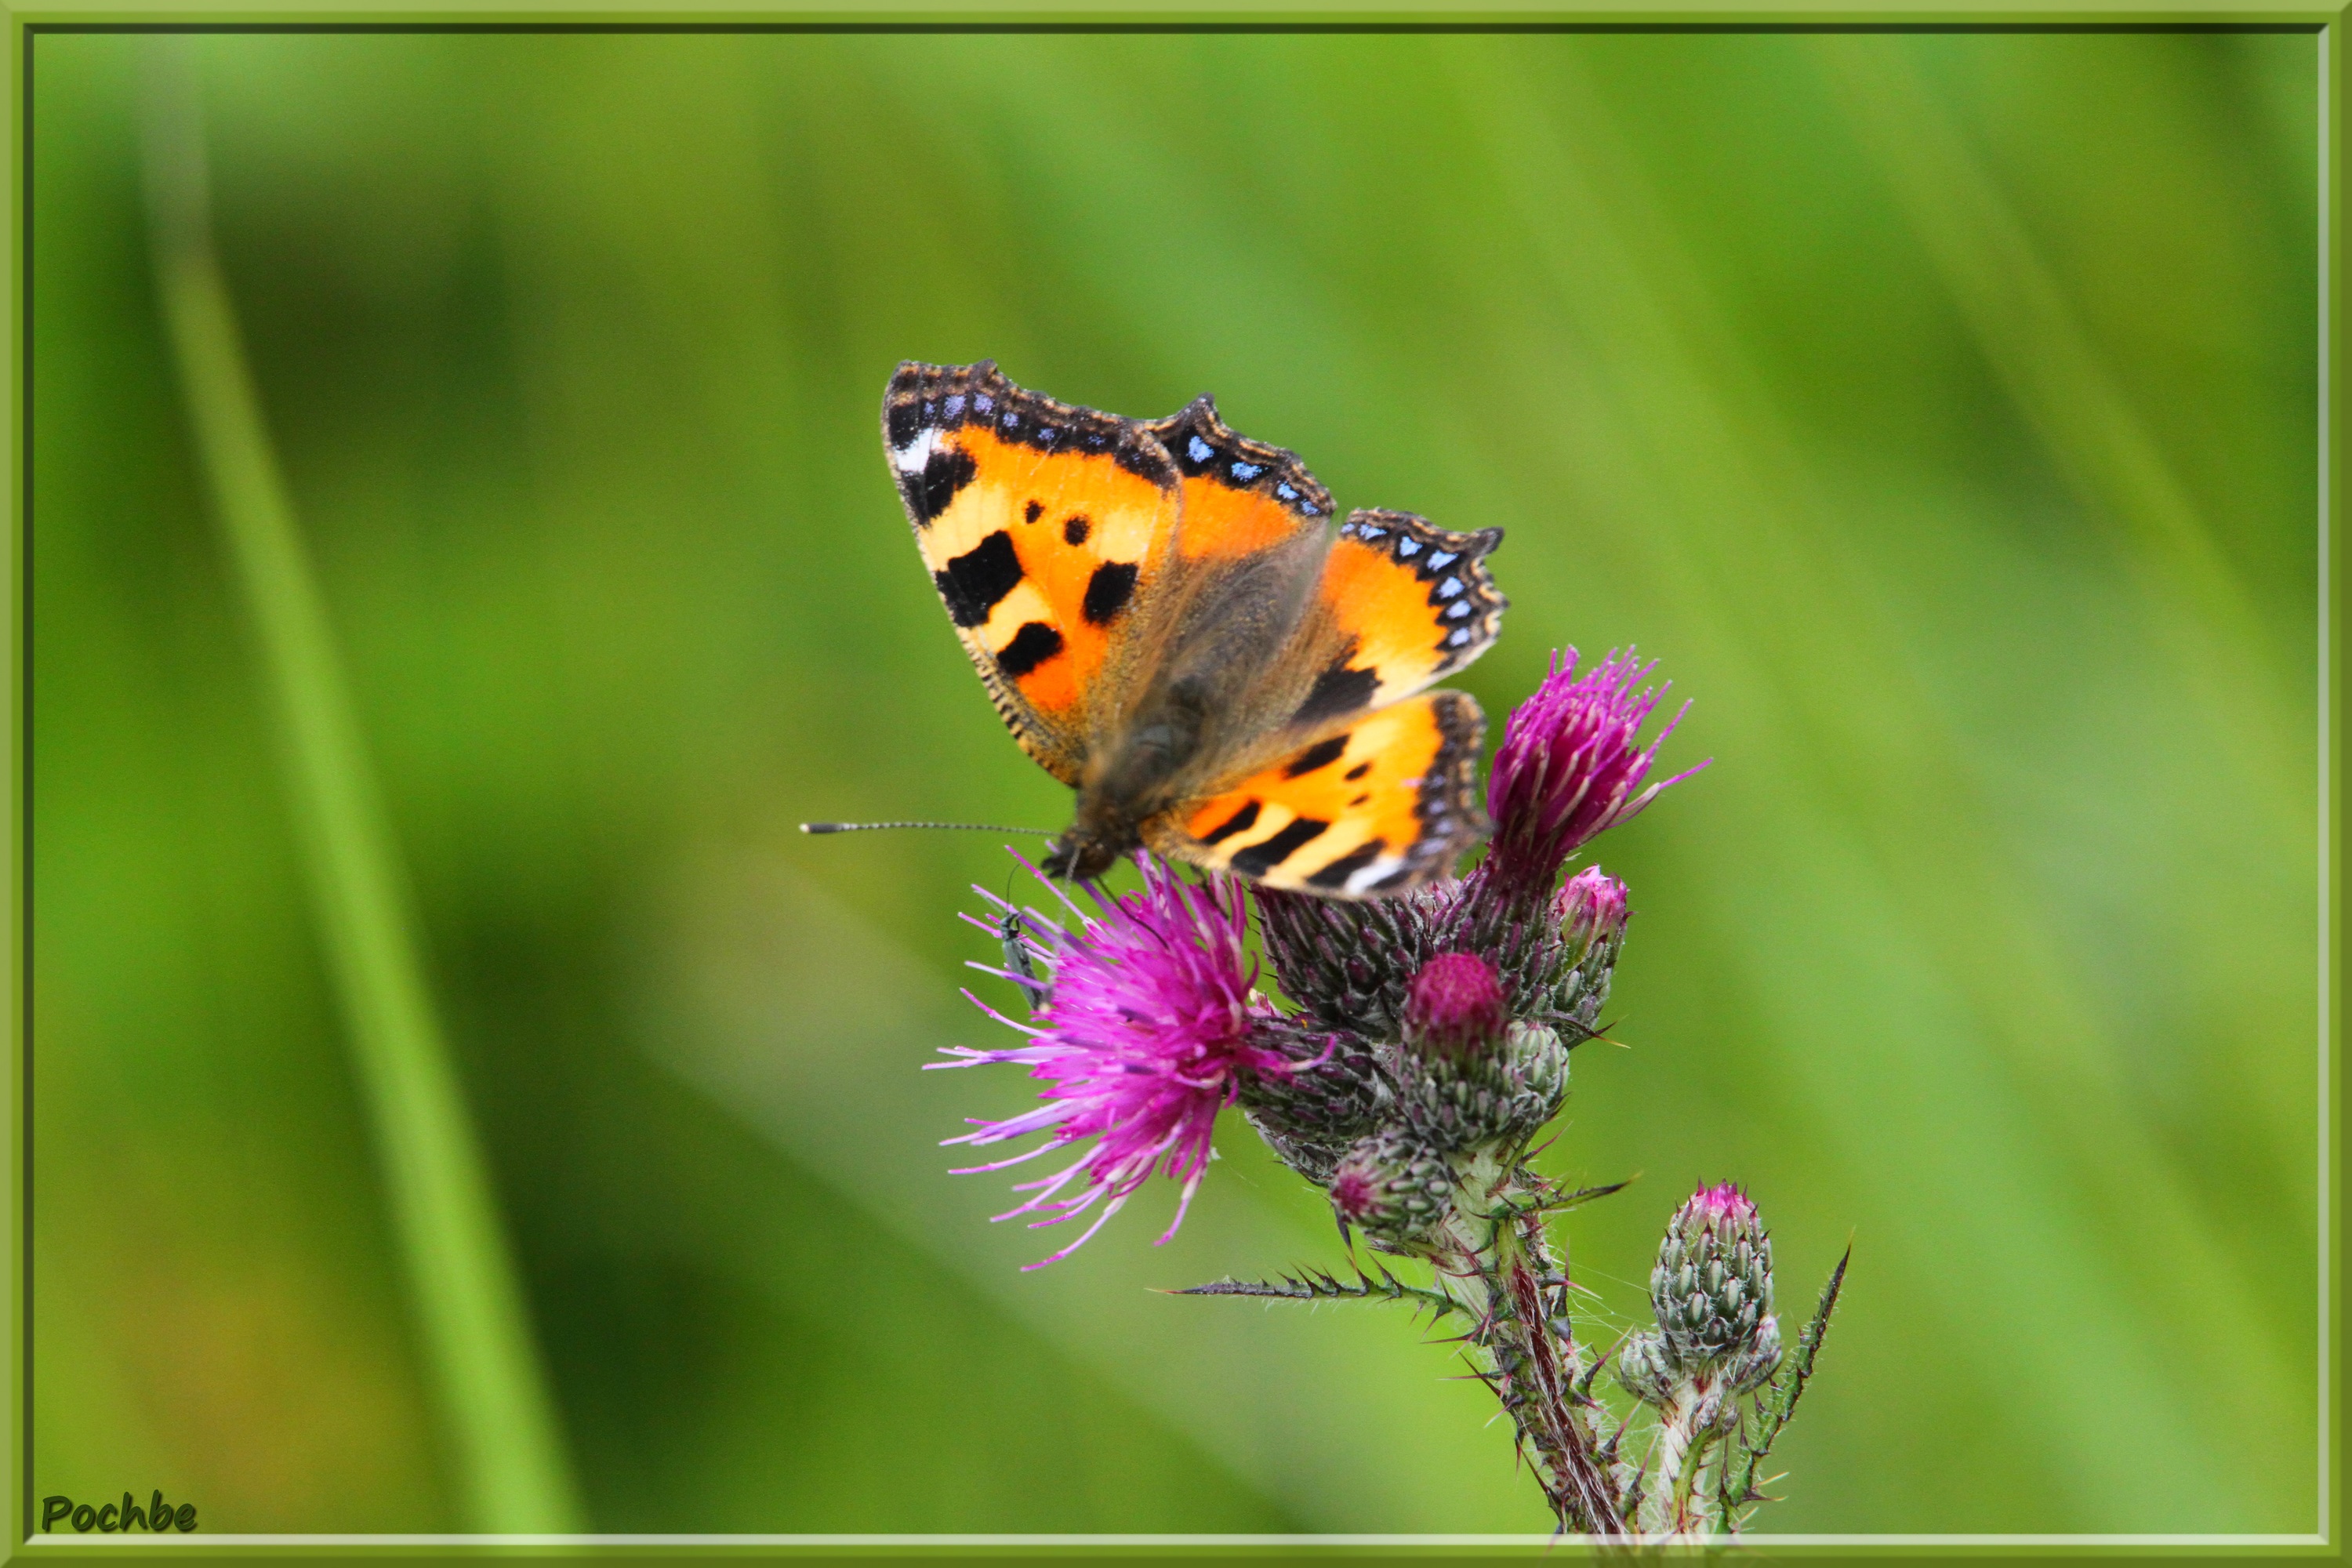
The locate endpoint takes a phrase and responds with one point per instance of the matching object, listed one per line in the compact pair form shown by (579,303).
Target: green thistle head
(1712,1289)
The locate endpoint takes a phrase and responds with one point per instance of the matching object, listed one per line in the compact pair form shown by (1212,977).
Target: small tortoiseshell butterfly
(1165,617)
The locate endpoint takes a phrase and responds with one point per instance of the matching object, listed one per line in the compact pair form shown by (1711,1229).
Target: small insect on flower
(1142,1030)
(1025,962)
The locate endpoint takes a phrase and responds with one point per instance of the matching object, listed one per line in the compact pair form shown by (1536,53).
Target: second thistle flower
(1454,1006)
(1469,1074)
(1570,766)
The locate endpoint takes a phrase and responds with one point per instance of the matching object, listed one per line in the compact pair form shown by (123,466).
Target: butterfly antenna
(953,826)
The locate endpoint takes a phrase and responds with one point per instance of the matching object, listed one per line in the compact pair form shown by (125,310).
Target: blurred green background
(1940,411)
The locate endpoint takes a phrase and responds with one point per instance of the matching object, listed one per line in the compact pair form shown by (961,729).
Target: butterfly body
(1166,618)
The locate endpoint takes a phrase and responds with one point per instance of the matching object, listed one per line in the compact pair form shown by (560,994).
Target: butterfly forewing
(1243,499)
(1045,528)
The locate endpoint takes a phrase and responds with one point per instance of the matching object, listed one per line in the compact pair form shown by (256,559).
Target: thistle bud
(1590,909)
(1712,1289)
(1454,1007)
(1332,1095)
(1589,914)
(1498,1097)
(1349,962)
(1392,1186)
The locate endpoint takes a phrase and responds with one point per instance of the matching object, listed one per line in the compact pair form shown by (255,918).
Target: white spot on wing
(915,455)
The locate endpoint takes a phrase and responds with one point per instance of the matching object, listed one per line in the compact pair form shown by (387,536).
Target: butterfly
(1168,623)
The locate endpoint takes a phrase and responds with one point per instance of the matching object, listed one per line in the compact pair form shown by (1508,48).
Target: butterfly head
(1081,855)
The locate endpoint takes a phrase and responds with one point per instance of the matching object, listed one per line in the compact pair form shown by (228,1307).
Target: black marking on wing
(1239,822)
(974,581)
(1322,754)
(1108,591)
(1032,511)
(1075,528)
(1032,645)
(1359,770)
(902,419)
(1259,858)
(1336,873)
(1337,690)
(929,493)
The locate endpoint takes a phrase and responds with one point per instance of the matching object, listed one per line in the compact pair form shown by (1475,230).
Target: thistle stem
(1685,1443)
(1495,1258)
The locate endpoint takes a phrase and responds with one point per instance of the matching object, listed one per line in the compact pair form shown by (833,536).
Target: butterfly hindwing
(1044,526)
(1375,805)
(1403,603)
(1398,603)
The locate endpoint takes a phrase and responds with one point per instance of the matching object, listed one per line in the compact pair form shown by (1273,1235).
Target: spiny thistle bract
(1428,1046)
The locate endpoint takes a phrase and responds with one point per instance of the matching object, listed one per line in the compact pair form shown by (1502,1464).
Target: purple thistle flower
(1144,1039)
(1569,768)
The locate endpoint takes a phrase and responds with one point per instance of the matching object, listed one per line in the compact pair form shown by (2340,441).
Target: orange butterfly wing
(1379,804)
(1045,526)
(1366,788)
(1413,602)
(1083,557)
(1370,789)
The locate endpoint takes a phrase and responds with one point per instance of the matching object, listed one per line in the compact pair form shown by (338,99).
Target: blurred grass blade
(484,1365)
(2034,338)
